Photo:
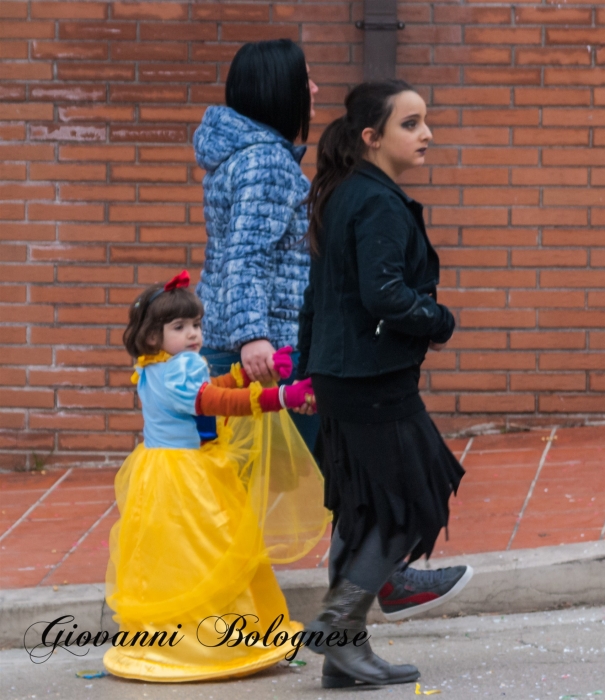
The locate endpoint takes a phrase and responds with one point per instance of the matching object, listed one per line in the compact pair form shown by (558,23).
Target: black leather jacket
(371,304)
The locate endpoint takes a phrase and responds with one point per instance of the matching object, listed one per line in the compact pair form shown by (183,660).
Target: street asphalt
(558,654)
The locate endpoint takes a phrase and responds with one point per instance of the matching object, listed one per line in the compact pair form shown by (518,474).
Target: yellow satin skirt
(191,554)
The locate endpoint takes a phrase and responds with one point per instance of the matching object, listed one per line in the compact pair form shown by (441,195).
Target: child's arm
(238,379)
(213,400)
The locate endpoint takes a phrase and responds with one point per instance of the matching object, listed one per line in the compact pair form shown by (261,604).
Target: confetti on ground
(419,691)
(91,674)
(297,664)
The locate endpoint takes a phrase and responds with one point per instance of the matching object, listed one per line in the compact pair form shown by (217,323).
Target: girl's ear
(370,138)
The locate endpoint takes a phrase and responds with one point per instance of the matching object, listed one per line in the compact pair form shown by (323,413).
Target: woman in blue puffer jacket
(256,266)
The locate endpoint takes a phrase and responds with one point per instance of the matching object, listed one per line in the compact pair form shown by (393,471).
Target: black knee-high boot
(345,608)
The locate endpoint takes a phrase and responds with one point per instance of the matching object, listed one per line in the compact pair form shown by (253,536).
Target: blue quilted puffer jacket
(257,266)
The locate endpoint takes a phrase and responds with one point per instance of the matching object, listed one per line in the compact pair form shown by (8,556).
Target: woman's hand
(309,408)
(257,359)
(437,346)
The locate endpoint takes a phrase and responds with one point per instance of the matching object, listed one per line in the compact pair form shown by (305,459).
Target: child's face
(182,334)
(405,139)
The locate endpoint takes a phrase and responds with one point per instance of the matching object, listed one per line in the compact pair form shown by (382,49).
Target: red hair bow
(181,280)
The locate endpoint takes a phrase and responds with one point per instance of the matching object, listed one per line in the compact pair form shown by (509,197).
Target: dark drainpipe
(380,27)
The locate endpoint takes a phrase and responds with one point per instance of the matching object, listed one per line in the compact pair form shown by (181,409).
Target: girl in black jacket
(369,317)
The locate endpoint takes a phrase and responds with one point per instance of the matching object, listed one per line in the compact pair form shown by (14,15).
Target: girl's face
(182,334)
(405,139)
(313,89)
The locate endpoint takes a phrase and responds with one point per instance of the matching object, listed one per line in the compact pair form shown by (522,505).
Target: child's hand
(282,362)
(299,395)
(437,347)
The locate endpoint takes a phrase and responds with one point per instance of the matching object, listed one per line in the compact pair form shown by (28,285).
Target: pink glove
(293,396)
(282,362)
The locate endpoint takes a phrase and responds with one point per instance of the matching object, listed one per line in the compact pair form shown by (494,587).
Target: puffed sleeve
(184,376)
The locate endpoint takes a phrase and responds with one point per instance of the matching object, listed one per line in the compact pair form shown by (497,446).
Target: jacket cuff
(269,400)
(446,329)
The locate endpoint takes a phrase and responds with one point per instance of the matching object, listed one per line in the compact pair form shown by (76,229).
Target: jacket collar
(370,170)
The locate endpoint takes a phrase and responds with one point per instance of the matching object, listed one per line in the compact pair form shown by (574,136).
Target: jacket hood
(224,131)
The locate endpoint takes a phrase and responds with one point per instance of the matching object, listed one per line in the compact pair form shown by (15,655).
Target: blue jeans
(220,362)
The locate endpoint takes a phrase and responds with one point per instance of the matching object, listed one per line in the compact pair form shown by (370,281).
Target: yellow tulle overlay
(193,549)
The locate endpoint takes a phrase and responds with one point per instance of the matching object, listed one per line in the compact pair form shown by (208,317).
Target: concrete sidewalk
(524,495)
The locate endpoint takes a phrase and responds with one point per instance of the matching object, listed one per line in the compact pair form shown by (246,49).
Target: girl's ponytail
(341,148)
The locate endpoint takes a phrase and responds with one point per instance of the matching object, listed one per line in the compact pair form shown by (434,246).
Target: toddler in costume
(201,523)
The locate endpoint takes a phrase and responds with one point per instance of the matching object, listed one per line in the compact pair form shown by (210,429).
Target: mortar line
(36,504)
(549,442)
(466,449)
(54,567)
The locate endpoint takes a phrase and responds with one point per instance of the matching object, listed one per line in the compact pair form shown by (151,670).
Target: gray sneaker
(412,592)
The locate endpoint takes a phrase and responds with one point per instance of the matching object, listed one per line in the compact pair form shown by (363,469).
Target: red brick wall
(101,196)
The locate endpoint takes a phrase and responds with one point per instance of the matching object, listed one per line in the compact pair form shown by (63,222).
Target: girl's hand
(282,362)
(309,408)
(257,359)
(299,396)
(437,346)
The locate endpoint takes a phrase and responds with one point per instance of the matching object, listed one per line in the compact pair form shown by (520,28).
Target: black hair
(268,82)
(341,148)
(147,316)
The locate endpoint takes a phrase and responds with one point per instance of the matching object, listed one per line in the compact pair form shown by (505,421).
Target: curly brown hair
(147,317)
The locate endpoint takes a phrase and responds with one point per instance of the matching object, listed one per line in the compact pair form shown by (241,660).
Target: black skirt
(396,474)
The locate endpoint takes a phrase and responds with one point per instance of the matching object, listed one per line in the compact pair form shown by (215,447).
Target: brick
(68,93)
(574,76)
(467,257)
(64,171)
(552,96)
(564,403)
(218,52)
(13,10)
(597,382)
(45,335)
(93,358)
(146,173)
(552,57)
(69,10)
(104,152)
(568,340)
(146,254)
(26,192)
(417,75)
(149,133)
(25,71)
(578,318)
(444,14)
(96,113)
(573,156)
(497,319)
(439,403)
(500,35)
(67,253)
(596,299)
(588,36)
(26,30)
(549,258)
(26,356)
(12,92)
(27,152)
(133,51)
(562,279)
(13,49)
(210,94)
(155,274)
(26,273)
(27,232)
(467,381)
(549,176)
(566,361)
(94,71)
(13,293)
(12,132)
(597,258)
(471,135)
(75,377)
(148,93)
(183,113)
(61,420)
(95,273)
(442,360)
(98,315)
(63,132)
(500,156)
(102,442)
(530,216)
(125,422)
(469,217)
(172,234)
(167,193)
(571,237)
(12,377)
(70,50)
(507,76)
(574,197)
(97,31)
(120,378)
(56,294)
(505,117)
(544,299)
(497,403)
(147,212)
(91,232)
(26,313)
(98,193)
(12,420)
(194,31)
(470,176)
(550,137)
(598,216)
(499,237)
(500,197)
(13,253)
(19,111)
(71,398)
(12,211)
(149,10)
(552,15)
(65,212)
(597,176)
(27,398)
(14,335)
(251,12)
